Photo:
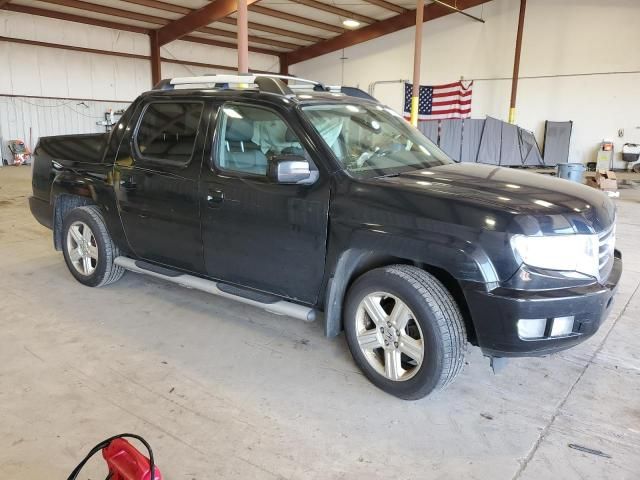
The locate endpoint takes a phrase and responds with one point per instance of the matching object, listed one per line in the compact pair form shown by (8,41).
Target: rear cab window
(167,132)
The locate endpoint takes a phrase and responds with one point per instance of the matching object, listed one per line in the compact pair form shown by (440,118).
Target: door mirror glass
(292,169)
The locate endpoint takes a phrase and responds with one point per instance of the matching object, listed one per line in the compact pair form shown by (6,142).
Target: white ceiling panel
(132,7)
(355,6)
(307,12)
(233,41)
(289,25)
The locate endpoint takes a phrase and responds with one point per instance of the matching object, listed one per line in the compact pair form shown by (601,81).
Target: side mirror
(291,169)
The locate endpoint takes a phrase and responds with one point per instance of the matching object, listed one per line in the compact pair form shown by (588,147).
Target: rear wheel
(405,331)
(88,248)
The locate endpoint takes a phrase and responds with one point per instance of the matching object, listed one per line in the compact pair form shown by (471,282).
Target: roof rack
(265,82)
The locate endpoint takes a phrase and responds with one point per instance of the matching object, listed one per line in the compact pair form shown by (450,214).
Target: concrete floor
(222,390)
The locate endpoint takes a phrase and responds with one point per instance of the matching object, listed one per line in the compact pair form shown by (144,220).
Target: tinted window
(167,132)
(250,136)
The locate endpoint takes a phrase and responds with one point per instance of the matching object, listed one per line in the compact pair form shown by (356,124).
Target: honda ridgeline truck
(311,203)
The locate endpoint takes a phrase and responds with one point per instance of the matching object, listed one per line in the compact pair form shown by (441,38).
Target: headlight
(573,253)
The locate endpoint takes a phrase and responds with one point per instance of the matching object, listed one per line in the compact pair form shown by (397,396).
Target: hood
(531,203)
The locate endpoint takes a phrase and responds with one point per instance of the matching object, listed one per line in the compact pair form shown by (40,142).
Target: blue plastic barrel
(571,171)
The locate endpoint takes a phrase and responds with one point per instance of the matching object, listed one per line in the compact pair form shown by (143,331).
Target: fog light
(562,326)
(531,328)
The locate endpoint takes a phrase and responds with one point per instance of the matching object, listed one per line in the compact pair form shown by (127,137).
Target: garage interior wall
(100,81)
(567,41)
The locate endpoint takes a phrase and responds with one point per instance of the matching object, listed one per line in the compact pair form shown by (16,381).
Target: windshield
(372,140)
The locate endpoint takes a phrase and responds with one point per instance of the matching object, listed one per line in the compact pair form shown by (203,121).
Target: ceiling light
(350,23)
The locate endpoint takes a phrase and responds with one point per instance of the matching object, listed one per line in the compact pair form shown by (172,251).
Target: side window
(250,136)
(167,132)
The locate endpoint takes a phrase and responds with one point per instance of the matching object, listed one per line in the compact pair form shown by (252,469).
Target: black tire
(106,271)
(439,320)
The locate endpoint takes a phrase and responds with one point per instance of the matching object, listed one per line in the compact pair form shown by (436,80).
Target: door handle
(215,197)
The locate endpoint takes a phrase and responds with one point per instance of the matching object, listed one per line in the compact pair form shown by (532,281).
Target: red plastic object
(127,463)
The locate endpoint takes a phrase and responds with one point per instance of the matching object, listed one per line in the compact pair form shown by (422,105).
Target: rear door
(258,233)
(156,180)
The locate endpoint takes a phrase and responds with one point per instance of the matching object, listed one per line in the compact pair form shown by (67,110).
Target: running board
(269,303)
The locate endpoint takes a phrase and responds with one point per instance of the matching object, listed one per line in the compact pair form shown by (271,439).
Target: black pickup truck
(312,203)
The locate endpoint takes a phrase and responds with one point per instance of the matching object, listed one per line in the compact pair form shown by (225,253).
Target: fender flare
(354,262)
(70,190)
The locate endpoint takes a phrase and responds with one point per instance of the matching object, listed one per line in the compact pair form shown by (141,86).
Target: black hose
(105,443)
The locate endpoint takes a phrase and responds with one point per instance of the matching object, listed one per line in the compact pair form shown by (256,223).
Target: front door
(258,233)
(156,182)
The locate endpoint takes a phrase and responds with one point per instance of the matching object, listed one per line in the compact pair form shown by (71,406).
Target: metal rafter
(152,19)
(170,7)
(113,53)
(167,7)
(336,10)
(41,12)
(197,19)
(376,30)
(456,9)
(388,5)
(270,12)
(218,43)
(275,30)
(114,12)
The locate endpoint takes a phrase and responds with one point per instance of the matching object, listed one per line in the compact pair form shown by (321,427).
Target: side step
(266,302)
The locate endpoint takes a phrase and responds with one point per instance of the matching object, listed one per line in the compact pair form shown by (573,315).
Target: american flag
(452,100)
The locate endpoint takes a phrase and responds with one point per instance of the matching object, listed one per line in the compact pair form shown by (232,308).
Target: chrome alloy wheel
(389,336)
(82,248)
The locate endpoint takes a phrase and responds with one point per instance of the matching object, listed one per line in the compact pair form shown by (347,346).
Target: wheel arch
(355,262)
(71,190)
(63,203)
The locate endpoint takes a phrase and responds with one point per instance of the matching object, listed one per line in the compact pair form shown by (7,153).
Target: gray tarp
(529,149)
(429,129)
(490,141)
(472,133)
(451,137)
(557,136)
(510,148)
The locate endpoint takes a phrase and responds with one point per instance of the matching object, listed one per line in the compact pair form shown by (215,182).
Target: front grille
(607,241)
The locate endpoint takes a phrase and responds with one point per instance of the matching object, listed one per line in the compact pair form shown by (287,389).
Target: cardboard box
(605,180)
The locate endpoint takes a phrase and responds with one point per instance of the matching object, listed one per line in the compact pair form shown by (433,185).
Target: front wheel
(88,248)
(405,331)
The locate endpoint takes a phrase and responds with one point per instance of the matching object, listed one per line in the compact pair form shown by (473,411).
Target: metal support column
(243,37)
(284,64)
(516,63)
(156,64)
(417,53)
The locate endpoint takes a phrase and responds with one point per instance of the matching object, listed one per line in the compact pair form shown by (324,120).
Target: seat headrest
(239,130)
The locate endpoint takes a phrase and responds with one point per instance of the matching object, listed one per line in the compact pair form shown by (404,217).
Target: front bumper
(496,313)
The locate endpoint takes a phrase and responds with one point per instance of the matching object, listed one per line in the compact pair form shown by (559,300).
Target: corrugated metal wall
(31,118)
